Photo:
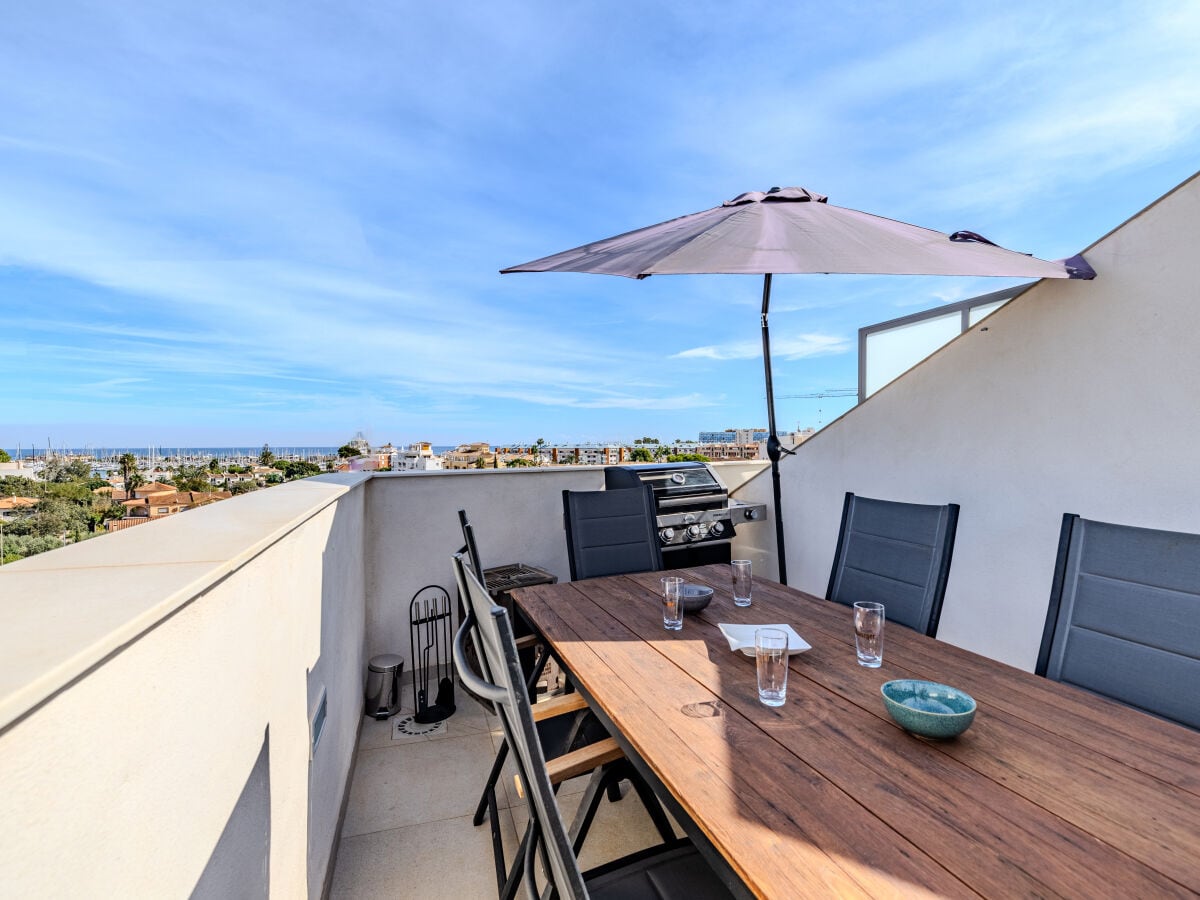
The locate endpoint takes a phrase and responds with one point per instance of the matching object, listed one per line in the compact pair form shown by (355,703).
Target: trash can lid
(385,662)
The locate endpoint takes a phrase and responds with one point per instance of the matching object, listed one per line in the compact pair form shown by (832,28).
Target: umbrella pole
(774,451)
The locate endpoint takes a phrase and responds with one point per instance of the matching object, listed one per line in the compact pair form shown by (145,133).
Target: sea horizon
(220,452)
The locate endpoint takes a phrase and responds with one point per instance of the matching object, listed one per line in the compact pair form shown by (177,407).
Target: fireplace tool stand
(429,618)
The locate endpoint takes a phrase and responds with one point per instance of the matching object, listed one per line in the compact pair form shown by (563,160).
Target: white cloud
(798,347)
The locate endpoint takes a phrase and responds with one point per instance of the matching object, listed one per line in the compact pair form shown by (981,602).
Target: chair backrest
(897,554)
(468,531)
(611,532)
(504,687)
(1124,617)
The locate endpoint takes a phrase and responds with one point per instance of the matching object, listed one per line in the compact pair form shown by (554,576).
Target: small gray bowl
(696,597)
(927,708)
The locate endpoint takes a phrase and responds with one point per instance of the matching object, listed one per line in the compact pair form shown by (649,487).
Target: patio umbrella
(794,231)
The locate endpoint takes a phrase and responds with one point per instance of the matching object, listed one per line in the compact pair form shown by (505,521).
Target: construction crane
(832,392)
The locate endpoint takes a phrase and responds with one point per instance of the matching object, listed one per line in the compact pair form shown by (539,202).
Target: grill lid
(667,480)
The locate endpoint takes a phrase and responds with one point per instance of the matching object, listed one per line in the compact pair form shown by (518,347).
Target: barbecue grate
(502,579)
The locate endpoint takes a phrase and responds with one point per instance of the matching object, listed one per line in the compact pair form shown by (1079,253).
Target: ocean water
(164,453)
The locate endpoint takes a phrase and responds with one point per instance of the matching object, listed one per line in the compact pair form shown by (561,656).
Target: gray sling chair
(1124,617)
(565,724)
(674,869)
(897,554)
(611,532)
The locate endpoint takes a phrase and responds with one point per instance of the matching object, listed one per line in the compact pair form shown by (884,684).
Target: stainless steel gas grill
(695,516)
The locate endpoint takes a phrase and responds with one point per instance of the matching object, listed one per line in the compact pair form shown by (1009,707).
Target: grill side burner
(692,506)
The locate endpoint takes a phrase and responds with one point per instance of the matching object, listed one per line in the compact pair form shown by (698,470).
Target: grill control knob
(716,529)
(693,532)
(667,535)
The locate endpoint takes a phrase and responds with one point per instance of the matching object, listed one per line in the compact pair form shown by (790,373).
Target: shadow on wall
(240,864)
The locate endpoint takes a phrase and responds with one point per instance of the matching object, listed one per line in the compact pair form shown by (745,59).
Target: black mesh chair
(674,869)
(569,740)
(611,532)
(897,554)
(564,723)
(1124,617)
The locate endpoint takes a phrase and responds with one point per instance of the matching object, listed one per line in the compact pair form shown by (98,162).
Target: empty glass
(742,583)
(868,633)
(771,654)
(672,595)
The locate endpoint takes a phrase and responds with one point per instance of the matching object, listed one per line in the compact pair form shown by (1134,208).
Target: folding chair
(673,870)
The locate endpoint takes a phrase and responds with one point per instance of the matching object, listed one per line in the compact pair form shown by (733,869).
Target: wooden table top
(1051,792)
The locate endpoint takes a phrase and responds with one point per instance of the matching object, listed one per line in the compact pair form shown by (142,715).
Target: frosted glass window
(893,352)
(984,309)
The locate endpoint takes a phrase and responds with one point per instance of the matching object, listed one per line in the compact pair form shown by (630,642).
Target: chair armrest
(583,760)
(577,762)
(558,706)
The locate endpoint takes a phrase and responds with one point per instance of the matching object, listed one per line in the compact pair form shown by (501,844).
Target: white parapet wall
(1076,397)
(157,685)
(517,516)
(156,690)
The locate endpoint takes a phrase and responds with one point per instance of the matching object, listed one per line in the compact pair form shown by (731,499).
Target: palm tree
(129,473)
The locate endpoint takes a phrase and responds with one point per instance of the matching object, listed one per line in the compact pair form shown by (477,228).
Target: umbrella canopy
(793,231)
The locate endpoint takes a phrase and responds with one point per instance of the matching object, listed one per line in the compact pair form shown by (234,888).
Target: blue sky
(229,223)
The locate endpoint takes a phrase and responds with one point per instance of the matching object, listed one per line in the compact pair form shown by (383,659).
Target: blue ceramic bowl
(927,708)
(696,597)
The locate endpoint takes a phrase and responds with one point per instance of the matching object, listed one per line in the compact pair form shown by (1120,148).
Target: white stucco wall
(1075,397)
(140,674)
(413,531)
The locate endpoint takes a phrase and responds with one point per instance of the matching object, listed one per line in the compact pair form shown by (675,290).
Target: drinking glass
(868,633)
(742,582)
(771,654)
(672,595)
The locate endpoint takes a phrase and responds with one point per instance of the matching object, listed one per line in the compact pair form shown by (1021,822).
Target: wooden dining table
(1051,792)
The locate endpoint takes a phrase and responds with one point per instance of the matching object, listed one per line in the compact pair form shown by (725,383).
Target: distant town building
(728,450)
(418,457)
(360,443)
(468,456)
(734,436)
(12,507)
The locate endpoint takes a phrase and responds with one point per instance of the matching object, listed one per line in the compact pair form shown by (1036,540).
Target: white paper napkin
(741,637)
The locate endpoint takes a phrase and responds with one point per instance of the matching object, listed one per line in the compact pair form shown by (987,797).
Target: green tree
(518,462)
(60,471)
(56,517)
(242,487)
(4,457)
(74,491)
(191,478)
(21,546)
(346,451)
(479,463)
(687,457)
(293,469)
(129,472)
(640,454)
(20,486)
(266,457)
(214,466)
